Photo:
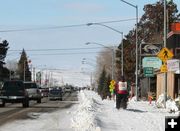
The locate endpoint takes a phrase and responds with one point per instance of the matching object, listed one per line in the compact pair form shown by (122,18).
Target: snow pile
(84,117)
(160,101)
(177,100)
(171,105)
(93,114)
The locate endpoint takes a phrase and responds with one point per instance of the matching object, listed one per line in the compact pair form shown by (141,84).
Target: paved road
(13,112)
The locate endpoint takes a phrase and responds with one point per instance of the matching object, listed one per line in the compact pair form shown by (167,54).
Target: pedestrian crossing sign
(164,68)
(165,54)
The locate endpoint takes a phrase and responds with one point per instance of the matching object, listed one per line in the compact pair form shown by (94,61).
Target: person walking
(121,93)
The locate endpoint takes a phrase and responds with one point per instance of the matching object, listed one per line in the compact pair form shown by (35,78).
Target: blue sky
(20,14)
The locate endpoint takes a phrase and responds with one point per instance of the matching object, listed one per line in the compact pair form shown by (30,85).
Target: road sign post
(165,55)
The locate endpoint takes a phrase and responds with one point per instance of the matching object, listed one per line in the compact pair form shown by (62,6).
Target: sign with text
(173,65)
(148,71)
(154,62)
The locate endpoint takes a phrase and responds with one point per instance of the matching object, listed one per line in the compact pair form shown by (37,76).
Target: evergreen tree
(3,51)
(101,84)
(23,67)
(106,91)
(4,72)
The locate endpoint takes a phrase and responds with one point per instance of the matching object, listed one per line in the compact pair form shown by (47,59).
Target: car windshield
(30,85)
(55,91)
(13,85)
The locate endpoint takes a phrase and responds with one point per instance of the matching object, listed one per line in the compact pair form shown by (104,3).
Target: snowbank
(171,105)
(84,116)
(93,114)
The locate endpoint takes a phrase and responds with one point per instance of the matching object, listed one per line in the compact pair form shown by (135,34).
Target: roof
(172,33)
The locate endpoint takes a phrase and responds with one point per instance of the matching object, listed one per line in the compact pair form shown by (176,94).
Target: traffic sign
(112,86)
(148,71)
(113,82)
(165,54)
(164,68)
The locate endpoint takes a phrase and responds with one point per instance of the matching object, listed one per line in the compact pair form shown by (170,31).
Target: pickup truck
(14,92)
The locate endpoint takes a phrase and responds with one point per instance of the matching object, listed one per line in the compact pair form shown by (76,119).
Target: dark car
(14,92)
(33,91)
(55,94)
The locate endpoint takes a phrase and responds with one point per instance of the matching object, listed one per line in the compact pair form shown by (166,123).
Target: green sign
(148,71)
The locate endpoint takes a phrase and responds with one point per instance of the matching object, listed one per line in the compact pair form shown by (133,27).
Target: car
(44,92)
(55,94)
(14,92)
(33,91)
(68,89)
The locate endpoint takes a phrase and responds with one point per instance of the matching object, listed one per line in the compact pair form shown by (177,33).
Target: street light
(89,63)
(136,7)
(113,57)
(122,54)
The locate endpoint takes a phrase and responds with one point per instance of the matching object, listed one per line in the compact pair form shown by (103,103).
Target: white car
(33,91)
(68,89)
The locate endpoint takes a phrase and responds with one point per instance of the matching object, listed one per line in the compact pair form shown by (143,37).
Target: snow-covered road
(93,114)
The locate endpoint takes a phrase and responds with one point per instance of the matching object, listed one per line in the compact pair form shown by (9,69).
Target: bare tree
(104,60)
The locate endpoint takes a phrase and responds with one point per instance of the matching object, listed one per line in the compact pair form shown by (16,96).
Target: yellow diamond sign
(165,54)
(113,82)
(164,68)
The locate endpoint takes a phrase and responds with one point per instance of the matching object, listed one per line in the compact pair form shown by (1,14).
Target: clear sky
(23,14)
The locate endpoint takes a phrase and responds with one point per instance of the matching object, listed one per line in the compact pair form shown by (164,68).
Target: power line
(40,28)
(65,49)
(59,27)
(70,53)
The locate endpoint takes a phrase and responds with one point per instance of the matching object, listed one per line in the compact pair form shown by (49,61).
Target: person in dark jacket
(121,93)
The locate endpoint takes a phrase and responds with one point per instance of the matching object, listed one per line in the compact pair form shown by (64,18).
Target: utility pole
(165,38)
(24,70)
(136,71)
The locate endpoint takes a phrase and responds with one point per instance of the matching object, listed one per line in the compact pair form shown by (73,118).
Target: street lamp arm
(98,44)
(135,6)
(89,24)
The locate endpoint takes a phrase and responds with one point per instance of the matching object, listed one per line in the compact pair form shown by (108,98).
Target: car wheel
(39,101)
(3,103)
(26,103)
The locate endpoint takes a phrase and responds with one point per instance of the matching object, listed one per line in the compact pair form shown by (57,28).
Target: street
(16,112)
